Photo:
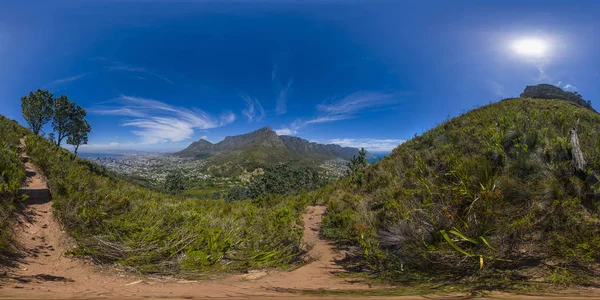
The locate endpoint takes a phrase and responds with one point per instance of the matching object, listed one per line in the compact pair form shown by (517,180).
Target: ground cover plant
(12,175)
(491,194)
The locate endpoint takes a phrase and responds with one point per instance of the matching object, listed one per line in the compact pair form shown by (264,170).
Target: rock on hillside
(548,91)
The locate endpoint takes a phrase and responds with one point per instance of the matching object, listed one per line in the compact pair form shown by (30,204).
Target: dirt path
(45,271)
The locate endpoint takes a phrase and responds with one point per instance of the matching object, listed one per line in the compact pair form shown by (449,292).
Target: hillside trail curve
(45,270)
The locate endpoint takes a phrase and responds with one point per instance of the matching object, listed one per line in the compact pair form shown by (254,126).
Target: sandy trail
(45,271)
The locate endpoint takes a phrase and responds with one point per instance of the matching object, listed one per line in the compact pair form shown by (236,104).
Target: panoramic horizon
(252,149)
(158,78)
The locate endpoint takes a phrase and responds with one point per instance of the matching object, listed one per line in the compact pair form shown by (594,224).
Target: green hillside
(494,186)
(12,174)
(114,221)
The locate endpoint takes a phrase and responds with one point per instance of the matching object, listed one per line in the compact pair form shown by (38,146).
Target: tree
(358,163)
(51,137)
(78,134)
(65,114)
(37,109)
(174,183)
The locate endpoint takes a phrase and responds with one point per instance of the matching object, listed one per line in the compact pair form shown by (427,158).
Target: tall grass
(116,222)
(12,175)
(494,186)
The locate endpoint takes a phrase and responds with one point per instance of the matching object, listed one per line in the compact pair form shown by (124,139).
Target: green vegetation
(279,180)
(174,184)
(37,109)
(358,163)
(490,195)
(12,175)
(68,118)
(117,222)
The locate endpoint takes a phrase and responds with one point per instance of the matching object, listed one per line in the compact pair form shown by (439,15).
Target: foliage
(494,186)
(37,109)
(279,180)
(12,175)
(63,117)
(358,163)
(116,222)
(174,184)
(78,131)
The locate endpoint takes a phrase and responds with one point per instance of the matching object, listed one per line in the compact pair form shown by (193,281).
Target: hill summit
(508,189)
(548,91)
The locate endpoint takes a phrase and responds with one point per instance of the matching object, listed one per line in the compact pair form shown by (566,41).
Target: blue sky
(157,75)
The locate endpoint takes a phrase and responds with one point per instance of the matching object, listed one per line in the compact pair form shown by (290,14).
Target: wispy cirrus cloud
(281,91)
(254,110)
(157,122)
(281,107)
(68,79)
(336,109)
(118,66)
(373,145)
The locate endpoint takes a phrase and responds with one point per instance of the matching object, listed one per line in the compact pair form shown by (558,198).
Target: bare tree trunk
(576,153)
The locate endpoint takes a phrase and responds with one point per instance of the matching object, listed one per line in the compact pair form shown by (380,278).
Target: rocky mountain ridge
(261,148)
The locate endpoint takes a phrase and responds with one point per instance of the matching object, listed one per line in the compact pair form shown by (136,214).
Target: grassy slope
(12,175)
(117,222)
(495,183)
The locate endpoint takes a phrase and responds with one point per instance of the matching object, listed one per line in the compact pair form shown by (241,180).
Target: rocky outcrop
(548,91)
(305,148)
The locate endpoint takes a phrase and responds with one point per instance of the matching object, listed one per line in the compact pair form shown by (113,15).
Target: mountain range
(261,148)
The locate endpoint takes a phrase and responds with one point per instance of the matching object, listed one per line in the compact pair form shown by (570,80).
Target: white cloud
(328,119)
(373,145)
(285,131)
(157,122)
(254,110)
(569,87)
(68,79)
(128,68)
(281,107)
(291,129)
(347,107)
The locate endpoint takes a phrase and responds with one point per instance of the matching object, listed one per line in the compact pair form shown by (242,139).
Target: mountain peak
(266,128)
(266,142)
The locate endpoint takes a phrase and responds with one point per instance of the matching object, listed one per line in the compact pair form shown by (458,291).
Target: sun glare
(530,47)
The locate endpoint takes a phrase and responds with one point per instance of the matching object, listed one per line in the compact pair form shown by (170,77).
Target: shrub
(12,175)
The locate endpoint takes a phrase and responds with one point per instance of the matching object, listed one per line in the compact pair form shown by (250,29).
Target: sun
(530,47)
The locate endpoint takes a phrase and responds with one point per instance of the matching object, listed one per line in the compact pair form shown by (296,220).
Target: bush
(279,180)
